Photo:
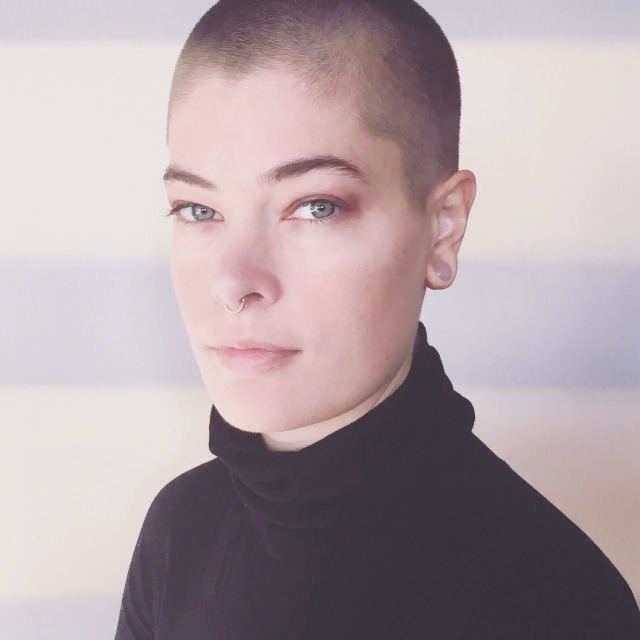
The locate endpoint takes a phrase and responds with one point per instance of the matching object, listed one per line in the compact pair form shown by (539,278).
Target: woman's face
(329,258)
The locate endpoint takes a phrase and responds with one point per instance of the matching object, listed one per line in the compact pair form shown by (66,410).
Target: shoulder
(539,560)
(197,494)
(503,499)
(207,479)
(505,508)
(175,525)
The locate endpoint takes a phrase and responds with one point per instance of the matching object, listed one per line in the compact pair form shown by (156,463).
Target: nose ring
(226,306)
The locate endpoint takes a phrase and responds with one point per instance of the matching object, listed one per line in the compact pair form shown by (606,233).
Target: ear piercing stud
(443,271)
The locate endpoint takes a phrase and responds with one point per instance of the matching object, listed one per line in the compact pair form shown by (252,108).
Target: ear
(449,208)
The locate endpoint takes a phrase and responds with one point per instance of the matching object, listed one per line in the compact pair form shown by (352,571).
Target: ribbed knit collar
(304,493)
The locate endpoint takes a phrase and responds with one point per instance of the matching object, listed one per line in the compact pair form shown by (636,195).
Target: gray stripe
(502,323)
(91,325)
(59,618)
(62,619)
(521,324)
(149,20)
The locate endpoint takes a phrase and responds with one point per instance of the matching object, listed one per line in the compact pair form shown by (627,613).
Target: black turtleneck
(400,526)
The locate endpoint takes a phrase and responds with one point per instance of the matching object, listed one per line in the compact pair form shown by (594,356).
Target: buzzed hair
(389,57)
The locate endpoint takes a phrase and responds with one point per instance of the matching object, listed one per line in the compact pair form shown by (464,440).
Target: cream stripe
(80,467)
(550,127)
(78,470)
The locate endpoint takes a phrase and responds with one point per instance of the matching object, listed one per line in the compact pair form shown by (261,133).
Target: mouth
(252,357)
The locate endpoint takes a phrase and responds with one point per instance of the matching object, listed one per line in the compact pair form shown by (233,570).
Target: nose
(244,275)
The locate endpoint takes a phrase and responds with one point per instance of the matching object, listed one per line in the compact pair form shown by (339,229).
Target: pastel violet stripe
(502,323)
(147,20)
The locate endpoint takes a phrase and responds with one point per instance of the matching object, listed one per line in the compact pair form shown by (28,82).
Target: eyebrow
(288,170)
(175,174)
(301,166)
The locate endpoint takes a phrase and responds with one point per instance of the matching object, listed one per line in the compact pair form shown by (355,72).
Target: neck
(297,439)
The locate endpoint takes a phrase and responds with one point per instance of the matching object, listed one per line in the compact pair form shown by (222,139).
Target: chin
(249,414)
(274,415)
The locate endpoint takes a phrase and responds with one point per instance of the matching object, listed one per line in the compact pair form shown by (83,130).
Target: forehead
(268,117)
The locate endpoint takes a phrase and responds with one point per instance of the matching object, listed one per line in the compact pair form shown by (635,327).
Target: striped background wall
(100,403)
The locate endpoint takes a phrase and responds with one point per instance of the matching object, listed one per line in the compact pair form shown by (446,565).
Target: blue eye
(318,209)
(194,212)
(200,212)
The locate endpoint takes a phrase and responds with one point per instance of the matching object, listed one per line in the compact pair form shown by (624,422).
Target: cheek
(191,288)
(362,280)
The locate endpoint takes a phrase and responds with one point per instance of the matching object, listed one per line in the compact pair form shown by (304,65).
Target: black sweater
(400,526)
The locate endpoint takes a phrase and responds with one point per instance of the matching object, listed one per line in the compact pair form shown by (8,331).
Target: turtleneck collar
(303,493)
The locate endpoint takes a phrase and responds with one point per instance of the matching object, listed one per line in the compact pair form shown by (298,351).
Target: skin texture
(344,293)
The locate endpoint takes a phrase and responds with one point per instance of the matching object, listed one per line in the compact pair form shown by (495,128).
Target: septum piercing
(226,306)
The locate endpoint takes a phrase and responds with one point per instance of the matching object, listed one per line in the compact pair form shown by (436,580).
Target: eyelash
(339,209)
(185,205)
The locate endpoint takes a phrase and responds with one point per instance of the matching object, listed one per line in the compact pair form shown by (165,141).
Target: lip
(251,357)
(248,344)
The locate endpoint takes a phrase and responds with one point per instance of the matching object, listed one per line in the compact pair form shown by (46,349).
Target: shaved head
(388,57)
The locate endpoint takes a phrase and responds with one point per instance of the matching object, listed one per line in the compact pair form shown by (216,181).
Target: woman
(316,195)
